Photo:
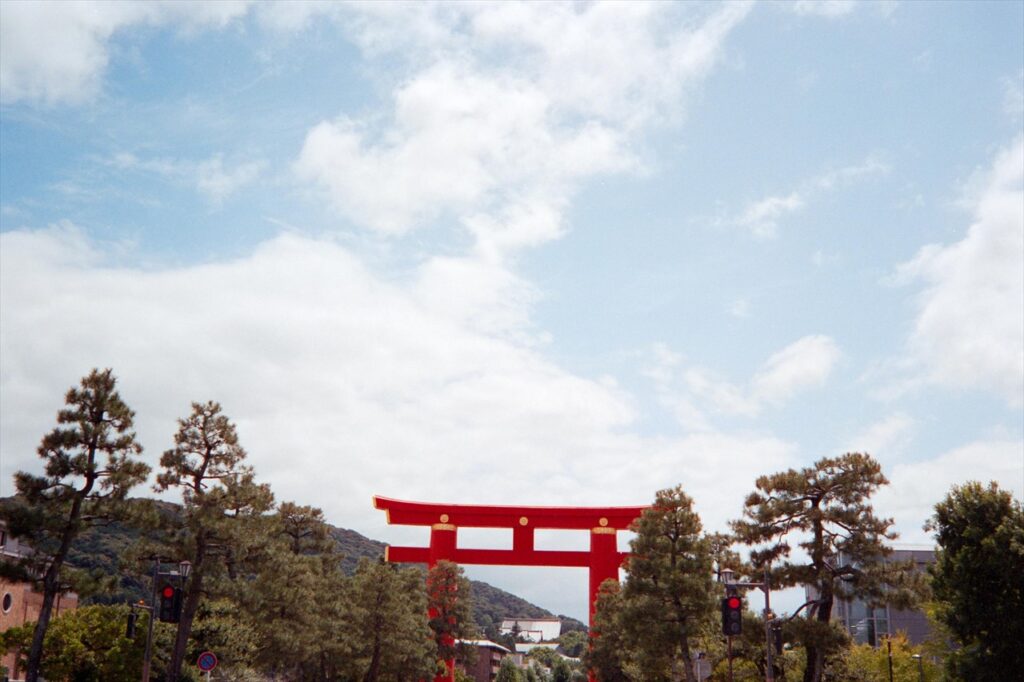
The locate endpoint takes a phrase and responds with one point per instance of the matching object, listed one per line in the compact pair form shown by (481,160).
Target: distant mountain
(101,547)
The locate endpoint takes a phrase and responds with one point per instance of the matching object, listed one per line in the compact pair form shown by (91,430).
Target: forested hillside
(107,551)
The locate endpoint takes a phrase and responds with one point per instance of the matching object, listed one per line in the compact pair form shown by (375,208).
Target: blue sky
(524,253)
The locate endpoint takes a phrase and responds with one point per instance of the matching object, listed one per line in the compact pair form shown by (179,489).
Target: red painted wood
(501,557)
(407,513)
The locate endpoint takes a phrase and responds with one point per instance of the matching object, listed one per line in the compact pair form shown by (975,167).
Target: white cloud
(762,217)
(803,365)
(56,52)
(218,183)
(969,330)
(824,8)
(211,177)
(740,308)
(342,384)
(1013,96)
(916,487)
(501,148)
(887,438)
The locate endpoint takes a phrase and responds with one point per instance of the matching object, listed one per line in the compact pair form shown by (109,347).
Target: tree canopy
(826,509)
(222,520)
(90,464)
(978,579)
(667,600)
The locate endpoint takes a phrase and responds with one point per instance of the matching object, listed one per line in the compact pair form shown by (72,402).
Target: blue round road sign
(207,661)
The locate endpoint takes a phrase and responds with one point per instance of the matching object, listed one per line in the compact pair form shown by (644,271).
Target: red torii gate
(603,559)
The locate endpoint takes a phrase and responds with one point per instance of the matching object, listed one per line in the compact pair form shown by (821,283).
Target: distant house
(871,625)
(488,659)
(19,603)
(533,629)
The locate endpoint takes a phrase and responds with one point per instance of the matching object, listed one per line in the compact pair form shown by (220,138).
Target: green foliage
(222,529)
(221,626)
(294,599)
(543,655)
(865,663)
(89,645)
(668,596)
(607,655)
(573,643)
(383,633)
(978,579)
(561,672)
(508,672)
(649,628)
(450,602)
(826,506)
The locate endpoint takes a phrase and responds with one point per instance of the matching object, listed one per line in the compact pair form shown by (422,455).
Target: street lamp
(920,667)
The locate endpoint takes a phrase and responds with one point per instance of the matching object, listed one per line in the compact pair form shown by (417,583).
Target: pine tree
(90,465)
(507,671)
(222,519)
(384,631)
(294,597)
(651,624)
(669,594)
(607,652)
(450,604)
(826,506)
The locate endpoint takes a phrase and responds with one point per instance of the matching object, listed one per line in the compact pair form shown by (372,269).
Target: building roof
(485,643)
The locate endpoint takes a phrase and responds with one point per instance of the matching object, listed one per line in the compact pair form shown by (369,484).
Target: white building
(533,629)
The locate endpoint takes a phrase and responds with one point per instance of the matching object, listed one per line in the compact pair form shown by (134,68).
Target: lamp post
(920,667)
(182,572)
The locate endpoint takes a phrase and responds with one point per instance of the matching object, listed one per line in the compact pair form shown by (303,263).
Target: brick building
(19,603)
(488,659)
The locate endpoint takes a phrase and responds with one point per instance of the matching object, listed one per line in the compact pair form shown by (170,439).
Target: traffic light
(130,630)
(732,615)
(170,603)
(777,636)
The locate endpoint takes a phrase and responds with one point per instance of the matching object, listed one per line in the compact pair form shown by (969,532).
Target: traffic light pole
(764,586)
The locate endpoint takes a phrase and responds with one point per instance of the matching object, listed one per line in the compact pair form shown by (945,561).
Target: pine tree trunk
(374,671)
(35,653)
(51,586)
(684,644)
(815,652)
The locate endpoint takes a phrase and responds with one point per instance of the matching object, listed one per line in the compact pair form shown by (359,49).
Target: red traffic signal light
(170,603)
(732,615)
